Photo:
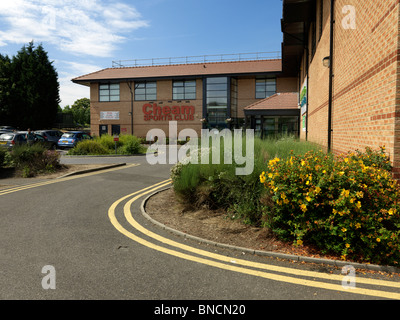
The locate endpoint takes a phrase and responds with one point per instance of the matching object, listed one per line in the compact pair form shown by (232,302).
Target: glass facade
(266,126)
(217,102)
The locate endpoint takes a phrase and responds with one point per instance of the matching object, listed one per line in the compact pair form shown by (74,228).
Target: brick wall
(366,68)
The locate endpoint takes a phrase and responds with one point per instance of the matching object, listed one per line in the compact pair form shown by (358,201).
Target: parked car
(10,139)
(8,128)
(51,136)
(71,138)
(41,139)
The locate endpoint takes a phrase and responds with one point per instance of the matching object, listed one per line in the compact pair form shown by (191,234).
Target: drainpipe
(331,75)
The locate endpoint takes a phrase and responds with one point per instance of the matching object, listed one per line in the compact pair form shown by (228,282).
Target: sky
(83,36)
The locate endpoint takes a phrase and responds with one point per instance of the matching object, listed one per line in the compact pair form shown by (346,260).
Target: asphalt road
(99,246)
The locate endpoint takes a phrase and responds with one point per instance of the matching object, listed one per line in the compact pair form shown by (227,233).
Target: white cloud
(82,27)
(69,91)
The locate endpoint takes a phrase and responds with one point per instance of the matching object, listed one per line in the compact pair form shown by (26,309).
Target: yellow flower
(341,173)
(303,163)
(308,182)
(358,226)
(378,240)
(360,194)
(344,229)
(262,177)
(283,196)
(324,171)
(299,242)
(303,207)
(317,190)
(347,245)
(308,199)
(392,211)
(358,205)
(343,257)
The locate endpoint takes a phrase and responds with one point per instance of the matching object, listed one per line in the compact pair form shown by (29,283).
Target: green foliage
(2,156)
(29,90)
(347,205)
(105,144)
(218,186)
(89,147)
(80,111)
(33,159)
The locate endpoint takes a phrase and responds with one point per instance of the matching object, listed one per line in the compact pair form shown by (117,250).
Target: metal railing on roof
(197,59)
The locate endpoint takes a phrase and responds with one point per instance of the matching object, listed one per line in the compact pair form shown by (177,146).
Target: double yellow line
(44,183)
(238,265)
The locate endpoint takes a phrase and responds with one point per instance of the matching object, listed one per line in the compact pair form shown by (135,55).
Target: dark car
(71,138)
(50,136)
(10,139)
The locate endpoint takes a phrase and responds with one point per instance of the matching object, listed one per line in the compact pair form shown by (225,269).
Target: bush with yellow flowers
(347,205)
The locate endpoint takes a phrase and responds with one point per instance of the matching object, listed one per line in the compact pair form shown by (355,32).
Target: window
(145,91)
(265,88)
(184,90)
(217,101)
(109,92)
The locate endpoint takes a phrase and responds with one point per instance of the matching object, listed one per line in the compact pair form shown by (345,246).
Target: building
(340,64)
(345,54)
(133,100)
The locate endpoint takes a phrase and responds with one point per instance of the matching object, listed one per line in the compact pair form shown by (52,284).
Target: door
(103,129)
(115,129)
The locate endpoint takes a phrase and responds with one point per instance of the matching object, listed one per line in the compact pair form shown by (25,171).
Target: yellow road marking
(276,277)
(44,183)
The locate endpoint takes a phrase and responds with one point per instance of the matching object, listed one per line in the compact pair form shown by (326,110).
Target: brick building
(127,100)
(345,54)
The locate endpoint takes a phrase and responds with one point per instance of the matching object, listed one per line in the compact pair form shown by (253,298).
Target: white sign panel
(109,115)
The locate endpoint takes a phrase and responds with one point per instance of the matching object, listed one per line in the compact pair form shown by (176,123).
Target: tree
(80,111)
(34,89)
(5,89)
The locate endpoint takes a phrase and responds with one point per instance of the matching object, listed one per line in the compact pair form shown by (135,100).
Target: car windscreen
(68,135)
(7,137)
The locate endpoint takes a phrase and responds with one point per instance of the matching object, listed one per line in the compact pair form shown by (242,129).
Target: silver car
(10,139)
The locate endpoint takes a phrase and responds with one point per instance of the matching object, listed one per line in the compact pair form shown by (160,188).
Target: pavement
(91,230)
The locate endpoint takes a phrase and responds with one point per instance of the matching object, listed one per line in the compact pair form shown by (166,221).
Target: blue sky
(83,36)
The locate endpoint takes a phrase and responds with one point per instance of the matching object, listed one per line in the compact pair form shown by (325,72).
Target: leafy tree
(80,111)
(33,90)
(5,89)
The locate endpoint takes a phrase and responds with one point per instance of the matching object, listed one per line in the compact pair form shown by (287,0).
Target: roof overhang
(296,19)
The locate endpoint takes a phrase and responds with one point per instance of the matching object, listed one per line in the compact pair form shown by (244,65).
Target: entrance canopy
(277,114)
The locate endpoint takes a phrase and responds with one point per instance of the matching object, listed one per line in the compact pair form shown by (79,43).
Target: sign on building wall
(109,115)
(303,104)
(303,97)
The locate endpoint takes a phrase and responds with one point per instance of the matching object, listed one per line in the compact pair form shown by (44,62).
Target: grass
(218,185)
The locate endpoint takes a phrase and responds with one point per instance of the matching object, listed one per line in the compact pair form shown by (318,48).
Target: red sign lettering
(166,113)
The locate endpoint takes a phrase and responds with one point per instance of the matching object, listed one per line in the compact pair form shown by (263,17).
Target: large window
(265,88)
(145,91)
(184,90)
(109,92)
(217,102)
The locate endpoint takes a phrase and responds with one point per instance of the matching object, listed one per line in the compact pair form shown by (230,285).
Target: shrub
(2,156)
(89,147)
(32,159)
(218,186)
(347,205)
(130,144)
